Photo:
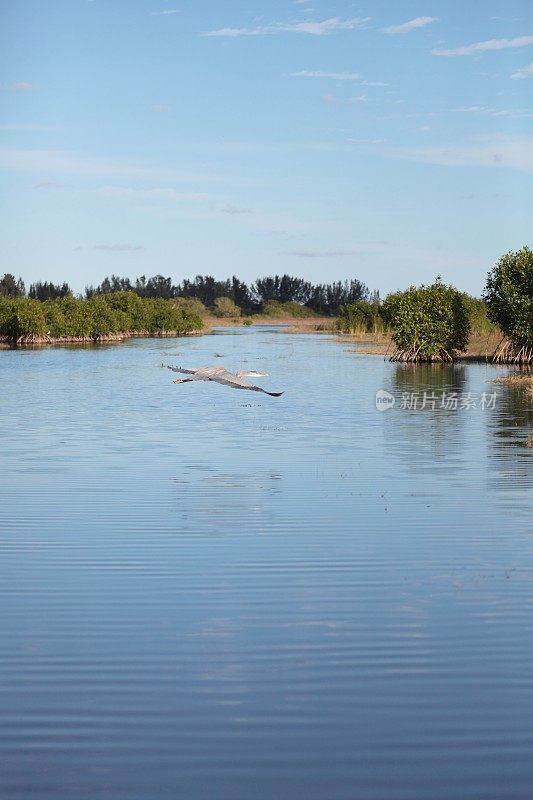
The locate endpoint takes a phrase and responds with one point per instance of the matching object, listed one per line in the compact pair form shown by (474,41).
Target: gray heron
(237,380)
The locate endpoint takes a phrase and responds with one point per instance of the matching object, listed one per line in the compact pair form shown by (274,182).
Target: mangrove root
(413,355)
(510,353)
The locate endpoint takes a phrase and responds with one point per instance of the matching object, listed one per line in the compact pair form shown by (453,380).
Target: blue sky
(388,141)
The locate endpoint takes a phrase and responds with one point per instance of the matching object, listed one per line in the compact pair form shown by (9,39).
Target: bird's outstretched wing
(239,382)
(183,370)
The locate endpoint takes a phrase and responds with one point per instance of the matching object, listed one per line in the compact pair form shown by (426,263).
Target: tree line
(323,298)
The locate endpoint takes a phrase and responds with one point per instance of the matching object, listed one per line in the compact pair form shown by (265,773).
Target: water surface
(210,593)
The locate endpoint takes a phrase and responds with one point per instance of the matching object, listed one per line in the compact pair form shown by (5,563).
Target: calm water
(213,594)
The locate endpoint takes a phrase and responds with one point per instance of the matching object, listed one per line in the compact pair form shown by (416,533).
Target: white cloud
(483,47)
(311,28)
(412,25)
(338,76)
(323,253)
(168,13)
(523,72)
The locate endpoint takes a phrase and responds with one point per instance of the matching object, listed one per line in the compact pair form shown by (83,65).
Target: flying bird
(237,380)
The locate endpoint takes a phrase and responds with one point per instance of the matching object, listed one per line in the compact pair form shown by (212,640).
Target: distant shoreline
(480,350)
(309,324)
(305,325)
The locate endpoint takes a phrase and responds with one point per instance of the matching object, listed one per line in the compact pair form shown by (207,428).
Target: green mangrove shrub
(69,318)
(430,323)
(131,306)
(110,315)
(509,297)
(21,317)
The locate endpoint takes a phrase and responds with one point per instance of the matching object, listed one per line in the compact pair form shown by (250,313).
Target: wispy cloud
(365,141)
(52,185)
(157,193)
(25,126)
(484,47)
(168,13)
(234,210)
(312,28)
(338,76)
(323,253)
(501,152)
(411,25)
(119,248)
(498,112)
(21,86)
(523,72)
(65,162)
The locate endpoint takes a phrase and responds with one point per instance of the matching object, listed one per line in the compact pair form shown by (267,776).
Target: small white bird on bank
(220,375)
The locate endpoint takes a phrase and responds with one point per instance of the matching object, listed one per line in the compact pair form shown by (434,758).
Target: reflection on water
(515,421)
(207,593)
(509,458)
(418,377)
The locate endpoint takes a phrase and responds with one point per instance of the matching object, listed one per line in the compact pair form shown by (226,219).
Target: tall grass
(362,317)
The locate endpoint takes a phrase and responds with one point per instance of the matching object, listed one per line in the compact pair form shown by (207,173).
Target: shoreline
(9,343)
(288,325)
(481,347)
(293,324)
